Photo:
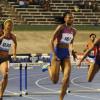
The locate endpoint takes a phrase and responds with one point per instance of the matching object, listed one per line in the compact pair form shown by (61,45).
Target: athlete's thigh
(94,68)
(97,67)
(91,66)
(67,67)
(55,65)
(4,67)
(62,67)
(91,69)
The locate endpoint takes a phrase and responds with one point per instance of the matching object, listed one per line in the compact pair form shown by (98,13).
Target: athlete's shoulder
(74,29)
(97,41)
(60,26)
(1,33)
(13,36)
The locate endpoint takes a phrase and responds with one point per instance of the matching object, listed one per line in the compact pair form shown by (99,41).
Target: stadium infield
(38,41)
(52,27)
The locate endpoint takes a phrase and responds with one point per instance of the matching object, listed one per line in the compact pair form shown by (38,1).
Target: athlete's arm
(53,39)
(87,52)
(87,46)
(72,47)
(14,45)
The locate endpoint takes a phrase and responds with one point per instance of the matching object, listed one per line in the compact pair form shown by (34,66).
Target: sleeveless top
(65,35)
(98,51)
(5,44)
(93,51)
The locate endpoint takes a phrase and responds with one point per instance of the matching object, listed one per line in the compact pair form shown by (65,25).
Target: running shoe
(45,67)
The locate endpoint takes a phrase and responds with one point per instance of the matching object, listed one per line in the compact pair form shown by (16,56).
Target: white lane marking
(84,96)
(37,82)
(17,93)
(40,86)
(23,95)
(72,81)
(32,98)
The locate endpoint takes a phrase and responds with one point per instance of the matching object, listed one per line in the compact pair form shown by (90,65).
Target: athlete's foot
(45,67)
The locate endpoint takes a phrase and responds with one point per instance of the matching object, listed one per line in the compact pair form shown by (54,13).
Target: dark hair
(66,13)
(60,19)
(92,35)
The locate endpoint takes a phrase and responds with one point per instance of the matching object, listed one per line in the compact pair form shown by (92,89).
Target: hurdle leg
(20,79)
(26,80)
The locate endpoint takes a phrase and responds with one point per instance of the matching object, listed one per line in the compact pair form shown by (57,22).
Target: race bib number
(6,44)
(66,38)
(92,53)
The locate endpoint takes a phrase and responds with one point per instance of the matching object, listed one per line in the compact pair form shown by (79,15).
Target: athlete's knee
(90,79)
(65,80)
(55,80)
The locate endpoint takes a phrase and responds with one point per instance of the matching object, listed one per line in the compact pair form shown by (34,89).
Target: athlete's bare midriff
(4,54)
(62,45)
(65,36)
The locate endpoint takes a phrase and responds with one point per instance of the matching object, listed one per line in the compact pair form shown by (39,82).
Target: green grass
(33,27)
(88,27)
(52,27)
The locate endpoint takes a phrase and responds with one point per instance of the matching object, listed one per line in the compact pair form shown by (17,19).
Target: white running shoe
(45,67)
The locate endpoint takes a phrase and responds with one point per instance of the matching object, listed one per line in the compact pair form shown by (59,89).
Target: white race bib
(5,44)
(92,53)
(66,38)
(91,60)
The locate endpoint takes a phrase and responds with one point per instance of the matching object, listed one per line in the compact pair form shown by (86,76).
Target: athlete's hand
(3,36)
(79,64)
(14,57)
(55,57)
(74,55)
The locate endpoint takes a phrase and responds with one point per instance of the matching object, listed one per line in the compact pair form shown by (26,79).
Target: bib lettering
(66,38)
(5,45)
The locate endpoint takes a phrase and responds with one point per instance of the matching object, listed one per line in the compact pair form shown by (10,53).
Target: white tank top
(6,44)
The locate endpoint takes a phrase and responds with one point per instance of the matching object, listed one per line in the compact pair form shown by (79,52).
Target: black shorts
(3,59)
